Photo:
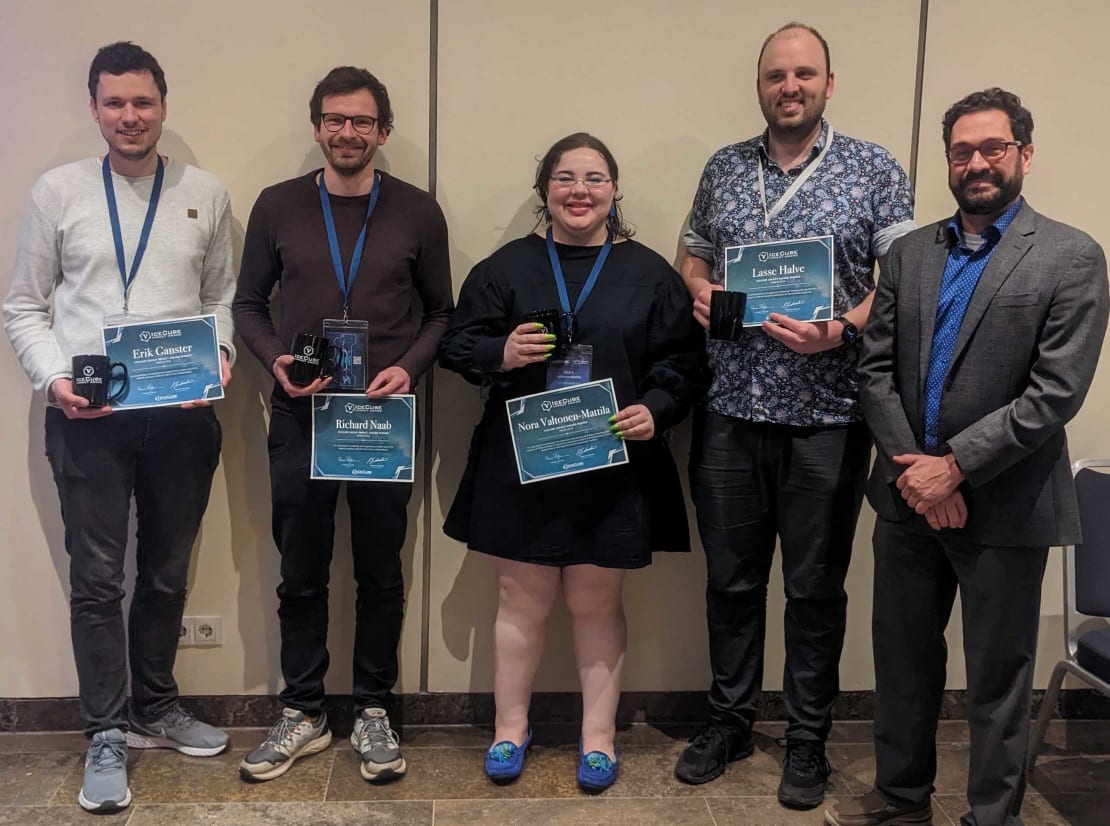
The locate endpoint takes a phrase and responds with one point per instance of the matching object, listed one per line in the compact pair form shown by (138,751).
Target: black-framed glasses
(362,124)
(566,181)
(992,151)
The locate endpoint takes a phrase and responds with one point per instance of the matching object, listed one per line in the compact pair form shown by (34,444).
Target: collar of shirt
(819,144)
(991,235)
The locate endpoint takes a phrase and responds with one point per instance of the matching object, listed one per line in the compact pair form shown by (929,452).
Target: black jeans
(164,457)
(917,573)
(304,530)
(752,481)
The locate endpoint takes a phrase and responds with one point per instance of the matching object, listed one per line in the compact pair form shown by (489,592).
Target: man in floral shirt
(780,449)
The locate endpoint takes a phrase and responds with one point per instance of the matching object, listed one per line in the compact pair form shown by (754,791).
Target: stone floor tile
(446,774)
(74,741)
(856,762)
(649,772)
(283,814)
(1066,810)
(59,816)
(165,776)
(767,811)
(1072,775)
(1077,737)
(610,811)
(34,779)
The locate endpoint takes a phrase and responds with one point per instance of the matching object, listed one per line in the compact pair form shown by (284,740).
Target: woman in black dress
(632,323)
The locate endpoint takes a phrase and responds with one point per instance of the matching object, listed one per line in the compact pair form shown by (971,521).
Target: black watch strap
(850,332)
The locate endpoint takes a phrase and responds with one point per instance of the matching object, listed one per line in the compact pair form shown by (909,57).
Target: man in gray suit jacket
(982,343)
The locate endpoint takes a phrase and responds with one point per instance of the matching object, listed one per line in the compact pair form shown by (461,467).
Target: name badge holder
(350,337)
(575,366)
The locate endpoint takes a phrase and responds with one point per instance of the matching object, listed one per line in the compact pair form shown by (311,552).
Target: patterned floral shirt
(861,196)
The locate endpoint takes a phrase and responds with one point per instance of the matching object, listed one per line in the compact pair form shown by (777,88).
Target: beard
(987,203)
(812,113)
(348,167)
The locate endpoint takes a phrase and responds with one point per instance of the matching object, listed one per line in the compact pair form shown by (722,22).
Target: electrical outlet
(209,630)
(187,635)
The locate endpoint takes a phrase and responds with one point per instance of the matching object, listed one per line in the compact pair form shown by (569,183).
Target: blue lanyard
(561,284)
(333,241)
(128,278)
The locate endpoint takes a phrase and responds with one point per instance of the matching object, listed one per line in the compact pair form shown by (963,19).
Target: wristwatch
(850,332)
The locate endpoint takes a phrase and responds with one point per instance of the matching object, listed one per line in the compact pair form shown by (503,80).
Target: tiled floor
(40,775)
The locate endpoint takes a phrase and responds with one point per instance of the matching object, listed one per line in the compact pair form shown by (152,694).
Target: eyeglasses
(590,181)
(334,122)
(992,151)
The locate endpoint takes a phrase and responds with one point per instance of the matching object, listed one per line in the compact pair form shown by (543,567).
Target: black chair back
(1092,558)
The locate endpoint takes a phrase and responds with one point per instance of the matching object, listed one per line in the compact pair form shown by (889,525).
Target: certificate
(792,278)
(359,439)
(168,362)
(565,431)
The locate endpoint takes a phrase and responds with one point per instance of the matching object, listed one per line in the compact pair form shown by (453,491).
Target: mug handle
(124,381)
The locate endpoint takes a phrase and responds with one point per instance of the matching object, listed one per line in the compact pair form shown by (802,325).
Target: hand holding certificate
(793,278)
(565,431)
(166,362)
(360,439)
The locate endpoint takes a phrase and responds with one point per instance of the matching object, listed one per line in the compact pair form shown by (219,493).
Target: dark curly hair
(1021,119)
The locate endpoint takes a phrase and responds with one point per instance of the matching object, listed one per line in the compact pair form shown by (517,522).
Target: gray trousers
(165,458)
(917,573)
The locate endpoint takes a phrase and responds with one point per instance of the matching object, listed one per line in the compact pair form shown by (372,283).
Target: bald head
(795,29)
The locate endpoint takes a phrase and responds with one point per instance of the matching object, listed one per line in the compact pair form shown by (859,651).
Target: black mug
(314,357)
(726,315)
(554,323)
(92,377)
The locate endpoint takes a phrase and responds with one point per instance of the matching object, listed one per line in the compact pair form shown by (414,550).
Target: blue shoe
(505,760)
(596,771)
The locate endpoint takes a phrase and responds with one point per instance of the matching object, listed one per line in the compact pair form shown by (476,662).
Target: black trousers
(917,573)
(752,482)
(165,458)
(304,530)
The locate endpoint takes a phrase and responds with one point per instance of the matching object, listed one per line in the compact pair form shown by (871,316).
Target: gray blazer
(1023,363)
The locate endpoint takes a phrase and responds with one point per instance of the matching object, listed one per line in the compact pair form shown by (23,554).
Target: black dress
(639,320)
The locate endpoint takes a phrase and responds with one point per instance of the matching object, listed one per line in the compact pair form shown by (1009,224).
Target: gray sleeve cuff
(696,245)
(883,238)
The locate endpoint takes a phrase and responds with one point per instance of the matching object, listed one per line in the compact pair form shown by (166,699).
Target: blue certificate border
(114,333)
(321,405)
(617,454)
(734,254)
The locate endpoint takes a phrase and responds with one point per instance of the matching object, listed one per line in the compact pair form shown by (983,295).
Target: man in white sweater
(76,269)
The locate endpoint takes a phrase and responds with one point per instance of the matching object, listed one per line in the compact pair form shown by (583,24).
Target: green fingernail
(612,418)
(540,328)
(547,355)
(550,346)
(550,337)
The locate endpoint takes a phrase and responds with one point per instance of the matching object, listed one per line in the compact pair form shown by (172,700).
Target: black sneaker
(710,750)
(805,772)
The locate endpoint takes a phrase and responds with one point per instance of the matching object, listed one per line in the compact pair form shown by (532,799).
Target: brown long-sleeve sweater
(403,287)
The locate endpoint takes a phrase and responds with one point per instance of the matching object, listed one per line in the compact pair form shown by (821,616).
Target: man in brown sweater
(355,249)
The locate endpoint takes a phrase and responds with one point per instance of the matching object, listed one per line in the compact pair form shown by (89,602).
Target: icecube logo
(144,336)
(309,350)
(88,371)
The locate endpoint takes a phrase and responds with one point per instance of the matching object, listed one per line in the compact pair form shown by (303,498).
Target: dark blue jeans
(165,458)
(753,482)
(304,531)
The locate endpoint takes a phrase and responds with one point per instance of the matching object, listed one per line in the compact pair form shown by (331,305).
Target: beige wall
(665,85)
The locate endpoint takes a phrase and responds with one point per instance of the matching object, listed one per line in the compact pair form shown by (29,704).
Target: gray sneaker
(105,788)
(177,729)
(293,736)
(378,746)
